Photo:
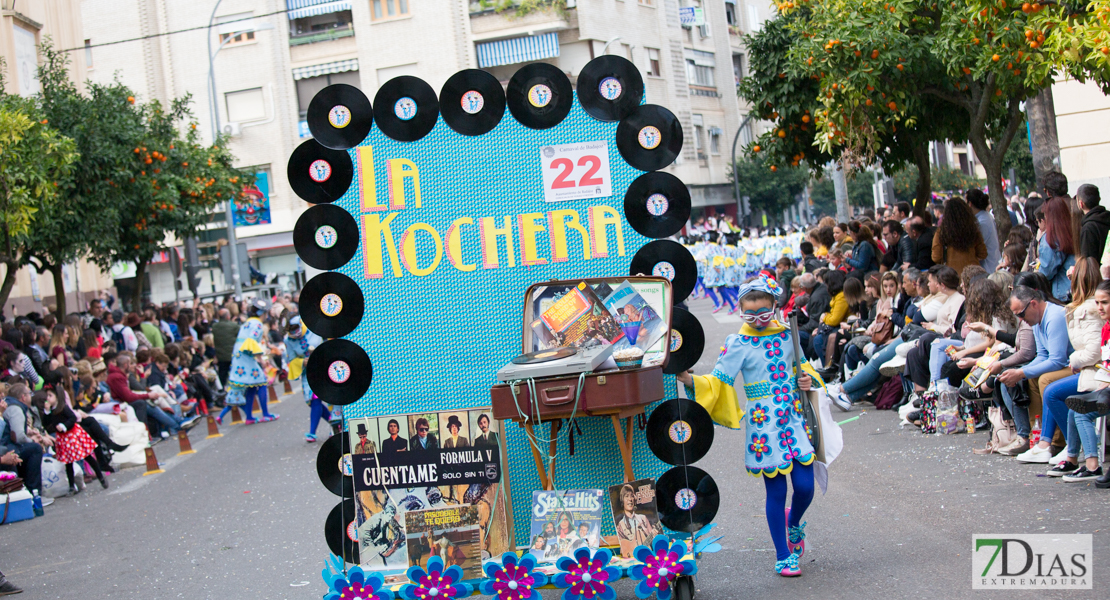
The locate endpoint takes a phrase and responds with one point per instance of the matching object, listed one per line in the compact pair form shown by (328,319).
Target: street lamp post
(213,104)
(735,179)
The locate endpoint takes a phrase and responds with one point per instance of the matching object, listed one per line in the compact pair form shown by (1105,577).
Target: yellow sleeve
(837,310)
(250,346)
(720,399)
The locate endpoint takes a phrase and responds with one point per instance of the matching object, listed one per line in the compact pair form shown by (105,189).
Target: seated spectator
(121,392)
(829,321)
(941,307)
(72,441)
(1084,410)
(1013,259)
(22,458)
(798,295)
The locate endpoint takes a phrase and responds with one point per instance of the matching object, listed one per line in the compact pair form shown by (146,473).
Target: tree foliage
(1072,36)
(944,180)
(34,157)
(860,193)
(772,190)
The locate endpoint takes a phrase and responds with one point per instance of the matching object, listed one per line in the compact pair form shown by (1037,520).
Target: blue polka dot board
(454,227)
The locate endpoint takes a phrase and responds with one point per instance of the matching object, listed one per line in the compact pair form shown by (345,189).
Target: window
(699,136)
(88,54)
(754,22)
(236,29)
(738,67)
(715,140)
(699,68)
(647,2)
(307,87)
(245,105)
(388,9)
(627,48)
(654,66)
(730,13)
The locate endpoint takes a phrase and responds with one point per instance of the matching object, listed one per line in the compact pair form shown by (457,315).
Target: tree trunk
(59,289)
(991,158)
(1041,113)
(924,192)
(8,284)
(137,293)
(840,190)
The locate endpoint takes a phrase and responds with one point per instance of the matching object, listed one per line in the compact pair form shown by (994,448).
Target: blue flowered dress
(752,385)
(299,348)
(246,372)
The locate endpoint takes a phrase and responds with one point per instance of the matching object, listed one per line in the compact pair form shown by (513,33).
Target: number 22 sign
(576,171)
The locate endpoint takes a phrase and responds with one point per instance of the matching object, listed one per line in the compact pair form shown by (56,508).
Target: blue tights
(250,394)
(731,295)
(802,478)
(316,411)
(713,296)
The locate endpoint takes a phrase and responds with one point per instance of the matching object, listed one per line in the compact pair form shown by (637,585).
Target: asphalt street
(243,518)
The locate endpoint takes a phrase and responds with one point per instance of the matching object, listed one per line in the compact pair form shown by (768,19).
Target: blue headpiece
(761,284)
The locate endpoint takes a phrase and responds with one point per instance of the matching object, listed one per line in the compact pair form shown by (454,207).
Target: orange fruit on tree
(892,105)
(774,168)
(756,148)
(996,58)
(901,68)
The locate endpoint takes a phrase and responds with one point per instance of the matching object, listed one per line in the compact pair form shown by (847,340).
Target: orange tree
(173,182)
(881,61)
(786,85)
(1070,36)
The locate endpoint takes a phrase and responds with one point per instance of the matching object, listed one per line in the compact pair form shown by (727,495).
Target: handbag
(9,486)
(883,334)
(1003,432)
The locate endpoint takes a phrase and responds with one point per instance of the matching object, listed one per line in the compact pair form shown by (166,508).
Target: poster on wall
(252,207)
(429,461)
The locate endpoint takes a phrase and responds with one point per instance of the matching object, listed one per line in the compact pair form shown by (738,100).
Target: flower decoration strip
(438,583)
(513,579)
(586,576)
(662,564)
(355,584)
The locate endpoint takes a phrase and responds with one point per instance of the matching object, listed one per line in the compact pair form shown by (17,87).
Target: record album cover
(635,514)
(563,521)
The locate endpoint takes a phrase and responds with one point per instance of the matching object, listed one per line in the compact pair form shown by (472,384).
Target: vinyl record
(649,138)
(333,465)
(542,356)
(679,431)
(406,108)
(539,95)
(319,175)
(472,102)
(669,259)
(339,372)
(331,305)
(340,116)
(326,237)
(687,499)
(657,204)
(610,87)
(341,531)
(687,342)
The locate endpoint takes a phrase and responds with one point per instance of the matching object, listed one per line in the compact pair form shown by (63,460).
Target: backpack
(117,338)
(889,394)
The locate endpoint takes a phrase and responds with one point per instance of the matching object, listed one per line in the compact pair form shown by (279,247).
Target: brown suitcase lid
(531,292)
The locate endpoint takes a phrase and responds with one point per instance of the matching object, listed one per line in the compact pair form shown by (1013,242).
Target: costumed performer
(299,343)
(752,385)
(247,379)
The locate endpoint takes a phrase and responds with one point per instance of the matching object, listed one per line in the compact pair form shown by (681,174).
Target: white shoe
(1059,458)
(838,398)
(46,501)
(1035,455)
(892,367)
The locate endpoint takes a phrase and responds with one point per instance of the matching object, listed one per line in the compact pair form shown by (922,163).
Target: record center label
(472,102)
(649,138)
(679,432)
(676,340)
(657,204)
(339,116)
(345,466)
(663,269)
(319,171)
(339,372)
(405,108)
(331,305)
(610,88)
(685,498)
(326,236)
(352,530)
(539,95)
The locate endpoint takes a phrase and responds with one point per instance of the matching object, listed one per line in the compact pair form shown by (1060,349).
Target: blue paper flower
(587,577)
(435,584)
(662,564)
(513,579)
(355,584)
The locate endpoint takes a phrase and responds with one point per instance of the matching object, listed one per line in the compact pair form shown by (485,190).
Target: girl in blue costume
(246,379)
(299,343)
(752,385)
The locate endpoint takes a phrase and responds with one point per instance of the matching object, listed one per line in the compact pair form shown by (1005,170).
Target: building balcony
(486,23)
(326,35)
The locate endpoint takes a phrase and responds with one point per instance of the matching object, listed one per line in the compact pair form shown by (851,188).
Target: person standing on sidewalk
(224,333)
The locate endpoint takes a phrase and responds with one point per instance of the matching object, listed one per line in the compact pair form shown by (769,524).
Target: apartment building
(272,56)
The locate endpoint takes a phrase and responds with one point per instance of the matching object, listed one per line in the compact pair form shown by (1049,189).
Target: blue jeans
(820,338)
(858,386)
(1055,411)
(1019,413)
(1081,431)
(853,356)
(170,424)
(937,357)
